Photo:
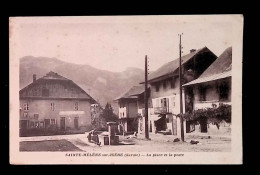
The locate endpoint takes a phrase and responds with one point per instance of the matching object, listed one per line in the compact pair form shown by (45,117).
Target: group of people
(93,137)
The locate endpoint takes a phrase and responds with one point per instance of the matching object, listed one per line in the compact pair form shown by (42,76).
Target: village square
(58,115)
(123,85)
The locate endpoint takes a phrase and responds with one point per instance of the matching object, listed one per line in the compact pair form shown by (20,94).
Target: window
(53,122)
(36,124)
(52,106)
(26,106)
(46,123)
(41,124)
(202,91)
(36,116)
(76,106)
(173,101)
(165,102)
(164,84)
(25,114)
(223,91)
(32,125)
(34,93)
(157,87)
(157,102)
(173,83)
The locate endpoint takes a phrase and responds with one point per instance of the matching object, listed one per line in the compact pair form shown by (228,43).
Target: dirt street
(158,143)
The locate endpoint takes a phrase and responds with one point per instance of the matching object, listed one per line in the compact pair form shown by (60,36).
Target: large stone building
(55,101)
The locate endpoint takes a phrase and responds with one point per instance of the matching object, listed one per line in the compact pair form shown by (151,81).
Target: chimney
(192,50)
(34,78)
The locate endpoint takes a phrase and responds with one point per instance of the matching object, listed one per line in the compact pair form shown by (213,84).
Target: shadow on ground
(48,145)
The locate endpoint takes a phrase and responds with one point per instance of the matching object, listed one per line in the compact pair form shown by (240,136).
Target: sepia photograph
(155,89)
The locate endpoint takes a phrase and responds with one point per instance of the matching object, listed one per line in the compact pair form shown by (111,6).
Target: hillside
(102,85)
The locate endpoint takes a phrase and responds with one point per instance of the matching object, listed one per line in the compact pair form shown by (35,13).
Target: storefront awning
(71,112)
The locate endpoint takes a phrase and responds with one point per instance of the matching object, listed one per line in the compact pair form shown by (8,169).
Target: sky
(116,42)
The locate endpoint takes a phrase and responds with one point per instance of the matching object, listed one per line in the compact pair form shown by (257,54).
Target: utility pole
(146,101)
(180,78)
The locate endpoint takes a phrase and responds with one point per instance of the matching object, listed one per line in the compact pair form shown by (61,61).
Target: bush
(212,115)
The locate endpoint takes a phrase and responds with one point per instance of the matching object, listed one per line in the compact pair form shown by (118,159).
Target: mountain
(102,85)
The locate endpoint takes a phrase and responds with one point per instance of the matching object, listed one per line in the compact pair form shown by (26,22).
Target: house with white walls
(165,93)
(212,88)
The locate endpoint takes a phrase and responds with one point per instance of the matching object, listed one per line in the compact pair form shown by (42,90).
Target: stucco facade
(212,89)
(55,101)
(41,110)
(128,113)
(165,97)
(211,94)
(165,90)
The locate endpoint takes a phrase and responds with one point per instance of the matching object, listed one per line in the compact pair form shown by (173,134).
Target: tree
(108,114)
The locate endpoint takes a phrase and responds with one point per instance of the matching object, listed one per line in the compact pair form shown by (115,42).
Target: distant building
(139,93)
(213,86)
(129,109)
(164,87)
(55,101)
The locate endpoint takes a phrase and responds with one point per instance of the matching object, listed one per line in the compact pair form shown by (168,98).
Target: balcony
(208,104)
(141,112)
(161,110)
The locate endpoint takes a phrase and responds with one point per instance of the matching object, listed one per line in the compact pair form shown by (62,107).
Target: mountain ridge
(103,85)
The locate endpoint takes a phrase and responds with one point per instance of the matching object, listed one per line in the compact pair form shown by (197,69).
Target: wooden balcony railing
(161,110)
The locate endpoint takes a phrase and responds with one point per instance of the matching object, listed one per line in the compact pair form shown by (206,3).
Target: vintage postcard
(163,89)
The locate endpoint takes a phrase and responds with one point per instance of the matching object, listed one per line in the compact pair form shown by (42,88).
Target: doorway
(76,122)
(203,125)
(161,124)
(62,124)
(23,124)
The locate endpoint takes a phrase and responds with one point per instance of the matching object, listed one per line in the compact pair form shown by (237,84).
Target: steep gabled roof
(132,92)
(51,77)
(222,64)
(172,66)
(219,69)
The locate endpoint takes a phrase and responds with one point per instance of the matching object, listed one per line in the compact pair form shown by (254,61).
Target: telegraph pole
(180,78)
(146,101)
